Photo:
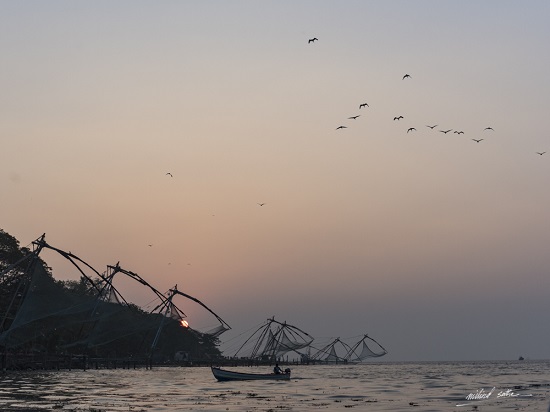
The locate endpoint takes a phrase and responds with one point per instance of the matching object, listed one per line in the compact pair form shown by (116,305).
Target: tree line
(85,324)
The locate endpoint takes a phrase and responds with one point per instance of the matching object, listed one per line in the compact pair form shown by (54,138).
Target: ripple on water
(372,387)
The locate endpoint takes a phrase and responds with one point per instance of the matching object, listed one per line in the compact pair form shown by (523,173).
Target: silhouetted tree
(109,330)
(14,276)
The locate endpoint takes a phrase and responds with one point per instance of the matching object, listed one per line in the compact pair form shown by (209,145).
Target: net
(332,356)
(272,340)
(85,316)
(330,352)
(366,351)
(284,344)
(46,307)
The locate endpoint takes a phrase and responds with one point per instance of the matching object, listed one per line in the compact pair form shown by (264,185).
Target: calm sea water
(426,386)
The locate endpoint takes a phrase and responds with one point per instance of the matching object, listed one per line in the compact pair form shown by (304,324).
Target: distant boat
(521,358)
(225,375)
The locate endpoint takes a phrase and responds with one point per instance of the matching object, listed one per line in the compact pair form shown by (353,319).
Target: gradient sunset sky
(434,244)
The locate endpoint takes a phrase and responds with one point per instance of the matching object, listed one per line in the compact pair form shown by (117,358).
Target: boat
(225,375)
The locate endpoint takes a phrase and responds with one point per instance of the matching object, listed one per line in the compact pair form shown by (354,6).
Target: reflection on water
(427,386)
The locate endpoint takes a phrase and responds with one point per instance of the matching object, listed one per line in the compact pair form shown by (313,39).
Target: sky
(432,243)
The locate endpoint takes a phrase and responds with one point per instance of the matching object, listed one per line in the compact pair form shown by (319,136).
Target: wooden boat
(225,375)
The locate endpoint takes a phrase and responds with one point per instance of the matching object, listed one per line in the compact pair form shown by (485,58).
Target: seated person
(277,370)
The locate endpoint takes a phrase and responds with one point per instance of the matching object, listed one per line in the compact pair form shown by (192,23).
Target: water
(426,386)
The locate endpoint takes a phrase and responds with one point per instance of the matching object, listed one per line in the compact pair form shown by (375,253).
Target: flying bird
(411,129)
(458,132)
(445,131)
(261,204)
(341,127)
(407,75)
(398,118)
(477,140)
(312,40)
(363,105)
(150,245)
(169,174)
(489,128)
(432,127)
(354,117)
(541,153)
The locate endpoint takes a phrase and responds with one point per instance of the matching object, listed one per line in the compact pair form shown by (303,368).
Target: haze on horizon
(430,242)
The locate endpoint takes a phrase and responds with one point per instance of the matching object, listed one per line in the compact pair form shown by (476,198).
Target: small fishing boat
(225,375)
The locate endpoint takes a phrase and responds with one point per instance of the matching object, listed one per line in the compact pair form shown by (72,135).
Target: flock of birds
(413,129)
(400,117)
(396,118)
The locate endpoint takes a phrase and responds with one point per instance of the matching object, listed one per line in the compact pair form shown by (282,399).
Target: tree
(67,316)
(14,275)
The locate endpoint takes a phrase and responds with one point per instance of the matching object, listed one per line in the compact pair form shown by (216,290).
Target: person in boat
(277,370)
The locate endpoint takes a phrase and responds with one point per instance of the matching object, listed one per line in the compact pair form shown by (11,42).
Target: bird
(169,174)
(354,117)
(261,204)
(150,245)
(398,118)
(411,129)
(312,40)
(363,105)
(489,128)
(407,75)
(477,140)
(458,132)
(341,127)
(445,131)
(541,153)
(432,127)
